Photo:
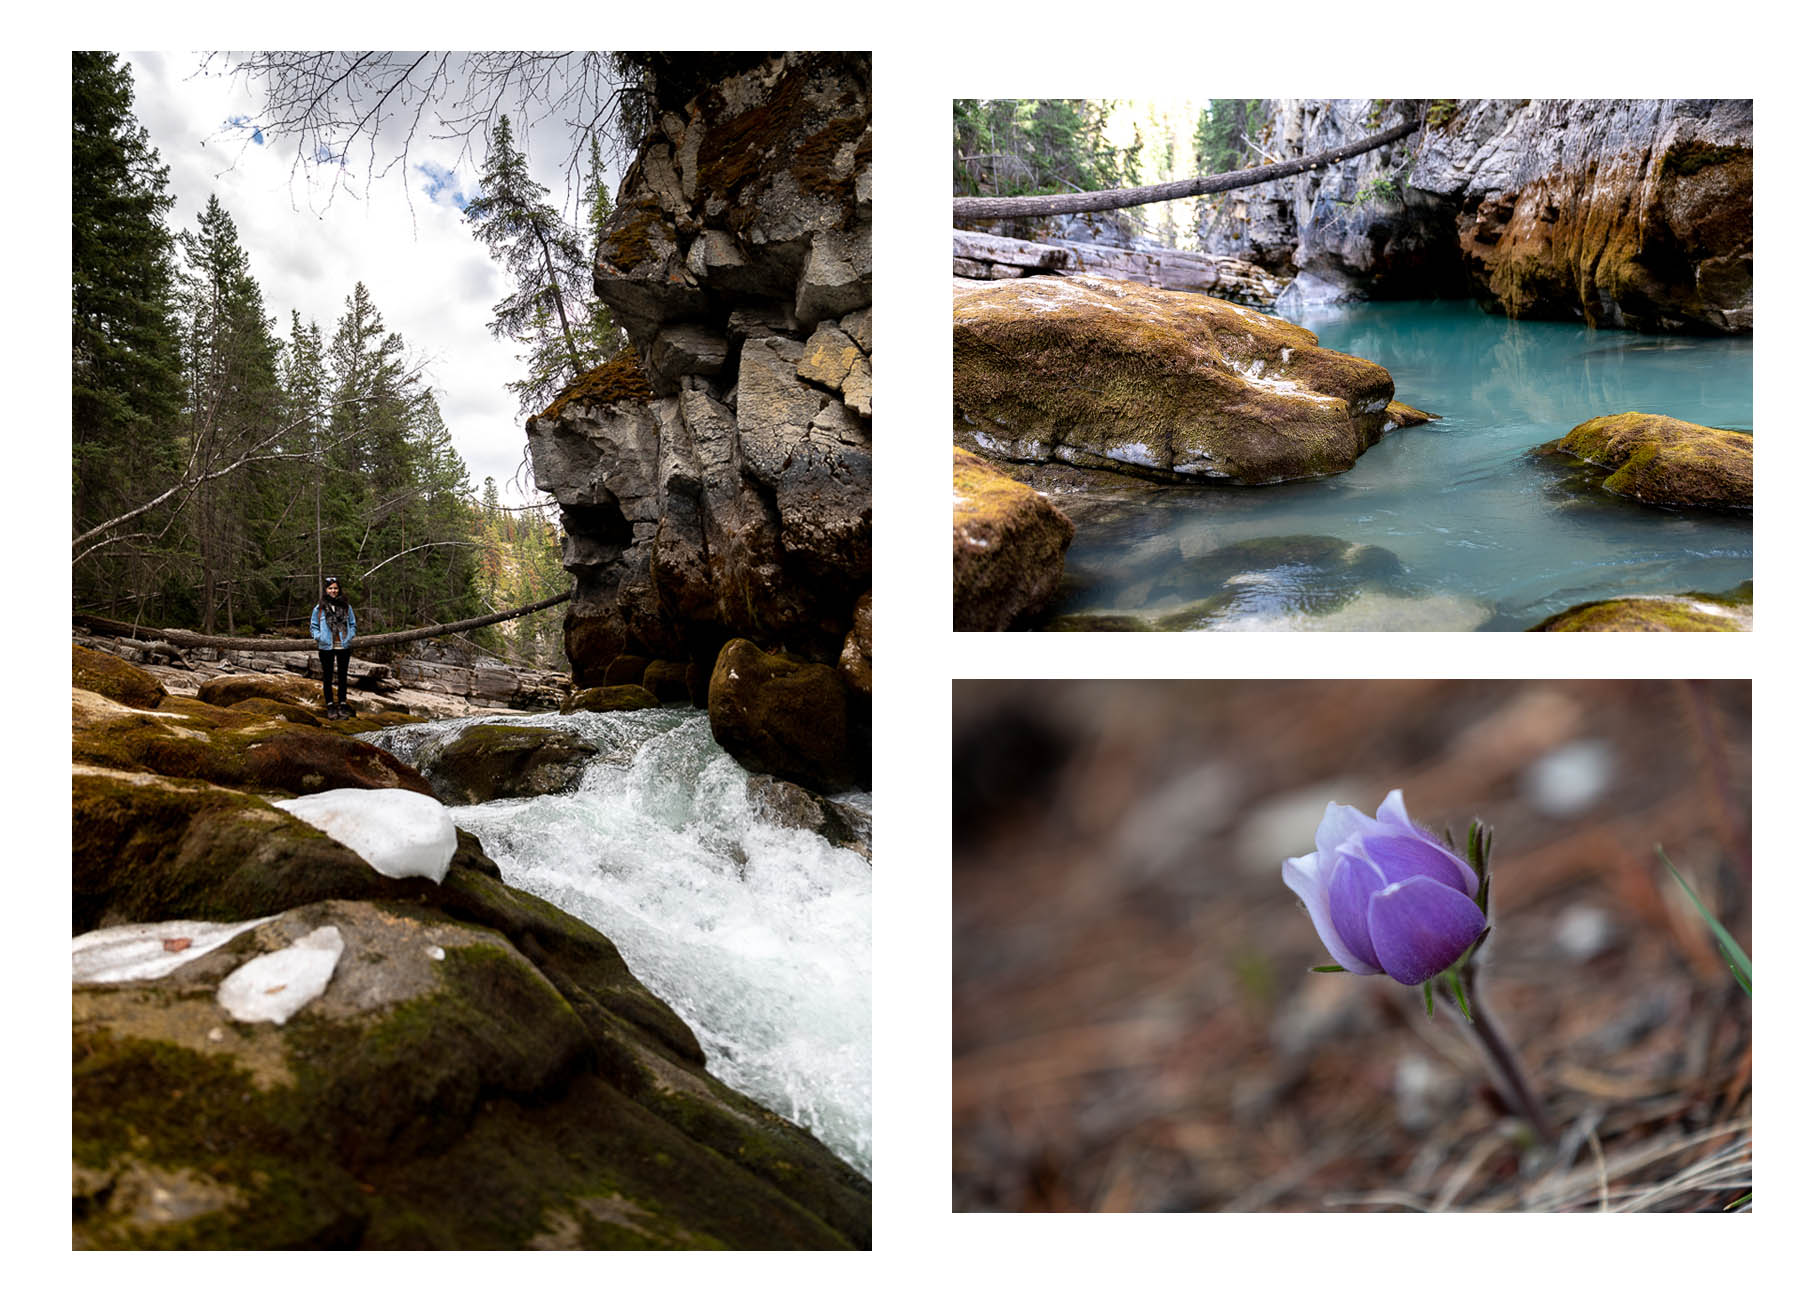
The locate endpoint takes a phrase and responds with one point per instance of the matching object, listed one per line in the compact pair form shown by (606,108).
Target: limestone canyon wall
(1630,214)
(715,477)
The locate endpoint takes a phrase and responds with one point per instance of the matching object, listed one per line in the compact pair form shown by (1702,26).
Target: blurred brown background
(1135,1027)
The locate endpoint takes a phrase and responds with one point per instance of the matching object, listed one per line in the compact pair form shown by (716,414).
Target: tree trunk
(176,636)
(1049,205)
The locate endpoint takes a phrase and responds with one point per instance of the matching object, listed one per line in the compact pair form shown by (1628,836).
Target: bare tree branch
(423,546)
(373,105)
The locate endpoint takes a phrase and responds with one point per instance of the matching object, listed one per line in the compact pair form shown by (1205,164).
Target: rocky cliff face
(715,477)
(1624,213)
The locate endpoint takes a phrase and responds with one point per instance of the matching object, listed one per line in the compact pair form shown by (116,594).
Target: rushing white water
(757,935)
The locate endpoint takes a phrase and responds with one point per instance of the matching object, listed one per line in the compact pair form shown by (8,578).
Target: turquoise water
(1446,526)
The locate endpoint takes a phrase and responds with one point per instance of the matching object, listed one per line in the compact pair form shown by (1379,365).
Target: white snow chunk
(147,952)
(397,832)
(277,984)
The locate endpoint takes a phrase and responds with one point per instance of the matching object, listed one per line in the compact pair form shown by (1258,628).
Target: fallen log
(995,257)
(196,640)
(965,210)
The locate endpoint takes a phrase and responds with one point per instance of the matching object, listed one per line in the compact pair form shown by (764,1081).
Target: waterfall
(757,934)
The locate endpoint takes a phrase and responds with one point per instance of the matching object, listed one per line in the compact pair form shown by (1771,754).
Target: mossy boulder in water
(1008,544)
(777,714)
(1693,612)
(1663,461)
(1170,386)
(1286,581)
(494,761)
(609,699)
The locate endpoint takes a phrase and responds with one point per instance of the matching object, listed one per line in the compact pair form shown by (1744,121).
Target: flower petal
(1403,854)
(1419,927)
(1354,881)
(1306,877)
(1338,825)
(1393,815)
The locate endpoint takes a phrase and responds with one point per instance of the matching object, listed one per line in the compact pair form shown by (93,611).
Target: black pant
(342,659)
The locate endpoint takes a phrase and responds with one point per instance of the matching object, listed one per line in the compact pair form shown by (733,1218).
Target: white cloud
(431,279)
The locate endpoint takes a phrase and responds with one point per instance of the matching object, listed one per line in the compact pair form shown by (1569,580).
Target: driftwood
(995,257)
(177,636)
(965,210)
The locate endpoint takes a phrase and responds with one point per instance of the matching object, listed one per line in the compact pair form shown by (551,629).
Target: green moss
(1689,157)
(626,241)
(108,675)
(147,1108)
(1642,614)
(619,380)
(1664,461)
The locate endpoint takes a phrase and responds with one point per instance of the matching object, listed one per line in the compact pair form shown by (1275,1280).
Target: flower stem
(1505,1063)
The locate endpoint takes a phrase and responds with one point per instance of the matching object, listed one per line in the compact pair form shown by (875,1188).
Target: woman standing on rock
(334,627)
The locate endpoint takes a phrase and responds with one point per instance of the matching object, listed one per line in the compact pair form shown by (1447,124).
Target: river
(758,935)
(1447,526)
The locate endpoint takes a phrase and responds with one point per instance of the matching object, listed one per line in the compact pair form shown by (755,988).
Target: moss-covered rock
(440,1092)
(1008,544)
(111,676)
(1663,461)
(780,715)
(667,681)
(607,699)
(231,747)
(494,761)
(1693,612)
(235,688)
(1172,386)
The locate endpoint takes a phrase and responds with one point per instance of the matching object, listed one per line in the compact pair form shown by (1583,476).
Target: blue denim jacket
(321,631)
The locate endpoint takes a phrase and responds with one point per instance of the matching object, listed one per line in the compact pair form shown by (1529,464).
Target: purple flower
(1386,897)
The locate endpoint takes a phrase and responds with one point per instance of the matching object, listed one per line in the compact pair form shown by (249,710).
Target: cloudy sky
(431,279)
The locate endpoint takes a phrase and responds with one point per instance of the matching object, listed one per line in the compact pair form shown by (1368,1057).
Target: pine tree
(234,405)
(125,362)
(543,255)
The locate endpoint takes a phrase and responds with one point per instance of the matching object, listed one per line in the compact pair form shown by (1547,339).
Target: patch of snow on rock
(277,984)
(397,832)
(147,952)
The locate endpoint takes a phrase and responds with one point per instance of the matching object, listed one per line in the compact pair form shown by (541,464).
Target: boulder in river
(609,699)
(1693,612)
(1176,387)
(1664,461)
(786,717)
(1008,543)
(498,761)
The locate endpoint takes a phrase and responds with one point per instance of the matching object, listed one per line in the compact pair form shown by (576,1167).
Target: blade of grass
(1734,955)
